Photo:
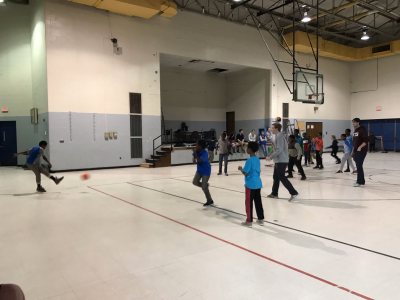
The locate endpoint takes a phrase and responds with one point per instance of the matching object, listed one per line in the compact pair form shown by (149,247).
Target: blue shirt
(252,170)
(348,144)
(299,140)
(33,155)
(203,165)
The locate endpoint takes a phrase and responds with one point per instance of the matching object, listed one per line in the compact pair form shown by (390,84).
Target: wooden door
(313,128)
(230,122)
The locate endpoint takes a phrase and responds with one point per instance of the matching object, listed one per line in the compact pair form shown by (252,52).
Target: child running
(295,155)
(253,185)
(335,149)
(200,157)
(34,163)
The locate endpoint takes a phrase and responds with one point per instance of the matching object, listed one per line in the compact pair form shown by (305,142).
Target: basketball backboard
(308,87)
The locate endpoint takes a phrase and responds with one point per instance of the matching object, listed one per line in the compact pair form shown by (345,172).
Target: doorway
(8,143)
(230,122)
(313,128)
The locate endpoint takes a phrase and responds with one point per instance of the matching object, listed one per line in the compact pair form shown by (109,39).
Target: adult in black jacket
(360,149)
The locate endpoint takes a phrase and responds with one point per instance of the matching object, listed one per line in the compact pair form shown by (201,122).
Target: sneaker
(347,170)
(58,180)
(226,174)
(247,224)
(321,167)
(316,167)
(312,163)
(356,184)
(303,178)
(354,172)
(260,222)
(208,203)
(40,189)
(272,196)
(219,173)
(339,172)
(293,197)
(289,176)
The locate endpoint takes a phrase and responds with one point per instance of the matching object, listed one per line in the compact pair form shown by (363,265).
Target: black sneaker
(58,180)
(339,172)
(289,176)
(347,170)
(208,203)
(40,189)
(316,167)
(272,196)
(219,173)
(303,178)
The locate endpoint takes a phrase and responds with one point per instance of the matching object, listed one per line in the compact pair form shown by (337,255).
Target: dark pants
(223,157)
(359,158)
(202,181)
(307,155)
(254,195)
(371,147)
(319,159)
(279,176)
(334,155)
(294,161)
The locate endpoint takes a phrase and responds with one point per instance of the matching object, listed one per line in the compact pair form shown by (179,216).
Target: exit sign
(4,109)
(379,108)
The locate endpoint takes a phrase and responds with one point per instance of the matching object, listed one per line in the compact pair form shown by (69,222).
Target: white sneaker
(260,222)
(293,197)
(247,224)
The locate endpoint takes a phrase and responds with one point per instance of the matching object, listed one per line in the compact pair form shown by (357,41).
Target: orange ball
(85,176)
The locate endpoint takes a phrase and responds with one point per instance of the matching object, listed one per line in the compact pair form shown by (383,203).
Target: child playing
(335,149)
(34,163)
(223,148)
(253,185)
(295,154)
(200,157)
(348,148)
(319,147)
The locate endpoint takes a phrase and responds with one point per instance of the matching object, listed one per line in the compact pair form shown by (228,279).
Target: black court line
(311,199)
(272,223)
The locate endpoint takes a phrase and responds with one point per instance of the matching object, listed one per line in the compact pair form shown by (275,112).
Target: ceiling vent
(381,48)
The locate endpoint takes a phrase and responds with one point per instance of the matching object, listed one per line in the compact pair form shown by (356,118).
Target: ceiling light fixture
(365,36)
(237,0)
(306,18)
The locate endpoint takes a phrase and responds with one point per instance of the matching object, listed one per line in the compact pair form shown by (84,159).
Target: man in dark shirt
(240,140)
(360,148)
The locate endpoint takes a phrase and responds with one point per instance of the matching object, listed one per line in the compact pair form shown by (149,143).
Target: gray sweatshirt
(280,153)
(223,146)
(296,151)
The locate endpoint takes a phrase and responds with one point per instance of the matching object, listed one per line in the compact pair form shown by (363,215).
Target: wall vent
(381,48)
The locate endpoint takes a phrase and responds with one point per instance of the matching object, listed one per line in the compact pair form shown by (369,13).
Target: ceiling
(197,65)
(341,21)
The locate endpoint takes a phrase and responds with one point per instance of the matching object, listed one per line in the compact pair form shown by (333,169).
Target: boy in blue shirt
(34,163)
(200,157)
(253,184)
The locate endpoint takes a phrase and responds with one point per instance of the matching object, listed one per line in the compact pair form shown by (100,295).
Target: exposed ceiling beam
(356,17)
(334,10)
(380,10)
(371,28)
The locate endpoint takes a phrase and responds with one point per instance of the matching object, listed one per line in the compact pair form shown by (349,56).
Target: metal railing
(169,137)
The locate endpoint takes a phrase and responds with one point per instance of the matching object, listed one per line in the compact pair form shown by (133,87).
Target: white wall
(376,83)
(192,96)
(248,94)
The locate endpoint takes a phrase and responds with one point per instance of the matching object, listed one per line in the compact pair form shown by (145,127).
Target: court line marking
(275,224)
(241,192)
(237,246)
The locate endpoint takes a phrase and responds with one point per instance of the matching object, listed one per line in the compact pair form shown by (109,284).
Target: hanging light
(237,0)
(306,18)
(365,36)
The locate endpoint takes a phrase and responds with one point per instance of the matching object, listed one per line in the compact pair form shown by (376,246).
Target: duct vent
(381,48)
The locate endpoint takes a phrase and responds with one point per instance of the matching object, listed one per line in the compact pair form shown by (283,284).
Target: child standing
(319,147)
(295,154)
(200,157)
(223,148)
(307,149)
(335,149)
(253,185)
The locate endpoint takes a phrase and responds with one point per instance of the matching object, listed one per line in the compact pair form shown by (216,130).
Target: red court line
(238,246)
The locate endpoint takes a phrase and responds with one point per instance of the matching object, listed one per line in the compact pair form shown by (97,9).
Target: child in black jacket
(335,149)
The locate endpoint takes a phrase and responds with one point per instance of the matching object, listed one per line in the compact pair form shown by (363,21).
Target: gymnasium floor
(138,233)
